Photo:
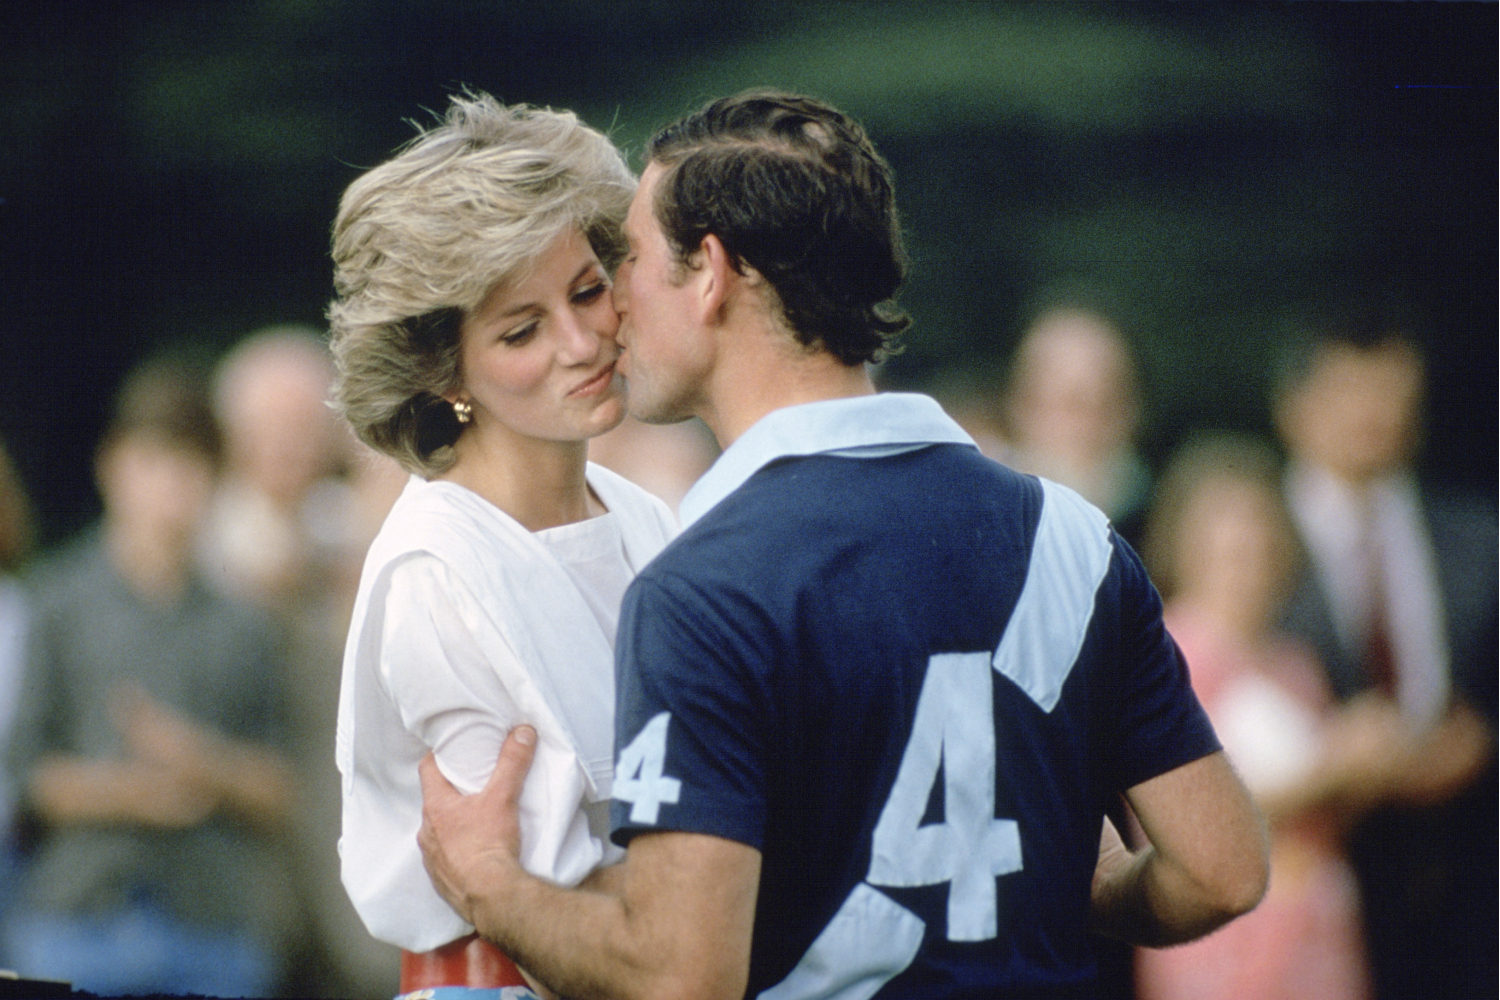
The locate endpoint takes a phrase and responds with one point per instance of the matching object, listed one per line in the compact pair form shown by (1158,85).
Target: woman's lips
(596,384)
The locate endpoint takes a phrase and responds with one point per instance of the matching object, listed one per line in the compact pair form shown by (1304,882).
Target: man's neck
(776,372)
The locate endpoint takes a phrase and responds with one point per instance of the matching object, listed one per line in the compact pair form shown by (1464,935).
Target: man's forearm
(1143,902)
(587,943)
(1206,862)
(568,939)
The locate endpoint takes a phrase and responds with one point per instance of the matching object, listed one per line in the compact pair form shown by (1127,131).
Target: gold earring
(463,410)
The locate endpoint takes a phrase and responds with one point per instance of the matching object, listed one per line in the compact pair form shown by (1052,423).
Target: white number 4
(638,774)
(954,729)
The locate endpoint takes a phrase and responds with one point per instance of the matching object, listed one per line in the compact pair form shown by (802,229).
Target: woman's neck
(542,484)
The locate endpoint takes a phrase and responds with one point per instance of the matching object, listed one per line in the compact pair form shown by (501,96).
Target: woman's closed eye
(520,335)
(590,293)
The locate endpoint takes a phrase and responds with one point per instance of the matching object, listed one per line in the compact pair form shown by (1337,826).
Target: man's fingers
(506,780)
(434,783)
(510,771)
(458,831)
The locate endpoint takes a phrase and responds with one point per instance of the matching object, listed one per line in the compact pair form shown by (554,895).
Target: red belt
(469,961)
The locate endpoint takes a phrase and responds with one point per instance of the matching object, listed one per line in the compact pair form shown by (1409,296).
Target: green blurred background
(171,169)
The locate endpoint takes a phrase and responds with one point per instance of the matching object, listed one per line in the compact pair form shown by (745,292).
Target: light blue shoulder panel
(1069,558)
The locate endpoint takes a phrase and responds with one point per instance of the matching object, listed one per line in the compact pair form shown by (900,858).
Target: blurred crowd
(1338,616)
(169,684)
(169,678)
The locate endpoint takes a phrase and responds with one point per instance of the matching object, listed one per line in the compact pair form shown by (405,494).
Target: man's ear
(717,277)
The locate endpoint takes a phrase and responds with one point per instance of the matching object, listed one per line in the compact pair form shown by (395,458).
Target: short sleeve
(690,718)
(1153,719)
(460,689)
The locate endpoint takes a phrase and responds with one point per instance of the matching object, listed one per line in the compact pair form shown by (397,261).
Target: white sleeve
(460,688)
(439,674)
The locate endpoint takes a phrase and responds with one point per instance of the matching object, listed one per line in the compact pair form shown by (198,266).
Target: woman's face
(538,354)
(1231,543)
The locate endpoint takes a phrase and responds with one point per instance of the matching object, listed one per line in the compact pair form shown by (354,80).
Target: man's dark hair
(1362,324)
(167,399)
(795,190)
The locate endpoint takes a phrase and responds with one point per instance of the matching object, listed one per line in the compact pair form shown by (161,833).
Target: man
(282,533)
(874,700)
(1399,600)
(148,737)
(1072,409)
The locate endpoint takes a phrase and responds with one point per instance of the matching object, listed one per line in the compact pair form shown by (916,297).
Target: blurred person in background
(1399,600)
(146,741)
(16,536)
(283,532)
(475,339)
(1221,547)
(277,528)
(1071,411)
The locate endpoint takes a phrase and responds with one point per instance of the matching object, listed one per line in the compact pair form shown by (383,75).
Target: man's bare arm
(1206,862)
(679,926)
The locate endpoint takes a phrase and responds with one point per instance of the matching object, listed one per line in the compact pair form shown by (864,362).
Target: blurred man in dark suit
(1400,602)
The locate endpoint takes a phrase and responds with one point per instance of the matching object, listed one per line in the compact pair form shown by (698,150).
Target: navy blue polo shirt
(912,679)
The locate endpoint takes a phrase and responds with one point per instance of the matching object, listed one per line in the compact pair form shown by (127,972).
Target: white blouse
(465,625)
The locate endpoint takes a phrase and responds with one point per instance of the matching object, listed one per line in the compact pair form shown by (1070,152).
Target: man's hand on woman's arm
(674,921)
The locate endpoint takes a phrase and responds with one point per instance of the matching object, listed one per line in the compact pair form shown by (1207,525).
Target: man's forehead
(640,205)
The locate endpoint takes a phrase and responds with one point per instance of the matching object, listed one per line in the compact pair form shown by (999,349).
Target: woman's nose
(583,332)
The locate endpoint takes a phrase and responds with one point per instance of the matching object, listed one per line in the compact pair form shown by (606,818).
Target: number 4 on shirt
(638,773)
(954,729)
(872,938)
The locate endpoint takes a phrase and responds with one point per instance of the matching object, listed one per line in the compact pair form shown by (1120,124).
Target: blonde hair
(420,240)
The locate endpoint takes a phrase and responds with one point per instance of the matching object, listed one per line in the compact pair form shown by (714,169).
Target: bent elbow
(1248,888)
(1242,883)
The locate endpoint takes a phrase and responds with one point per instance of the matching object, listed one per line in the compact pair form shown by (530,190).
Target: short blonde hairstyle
(420,240)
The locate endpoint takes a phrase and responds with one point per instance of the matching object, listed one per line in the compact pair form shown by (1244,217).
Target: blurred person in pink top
(1221,547)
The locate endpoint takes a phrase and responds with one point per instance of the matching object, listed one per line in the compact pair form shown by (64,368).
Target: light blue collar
(879,423)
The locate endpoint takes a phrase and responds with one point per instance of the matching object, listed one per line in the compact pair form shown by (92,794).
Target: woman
(475,337)
(1221,547)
